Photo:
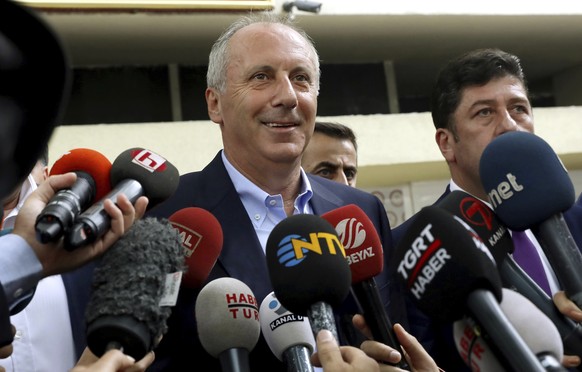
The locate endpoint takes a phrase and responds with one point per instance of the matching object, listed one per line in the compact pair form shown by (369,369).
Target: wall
(398,159)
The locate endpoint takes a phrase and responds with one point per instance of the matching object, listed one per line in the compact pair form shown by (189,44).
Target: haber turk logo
(148,160)
(293,249)
(242,305)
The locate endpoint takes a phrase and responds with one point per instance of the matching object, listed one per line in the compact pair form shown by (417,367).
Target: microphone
(450,274)
(201,236)
(135,172)
(308,269)
(366,259)
(134,286)
(288,335)
(534,197)
(227,317)
(496,238)
(93,182)
(543,339)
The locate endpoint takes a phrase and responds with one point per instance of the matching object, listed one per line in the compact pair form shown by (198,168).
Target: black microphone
(134,287)
(366,259)
(288,335)
(534,197)
(450,273)
(543,338)
(135,172)
(227,317)
(308,269)
(93,181)
(497,239)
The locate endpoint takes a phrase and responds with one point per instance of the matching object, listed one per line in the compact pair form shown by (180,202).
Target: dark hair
(477,67)
(336,130)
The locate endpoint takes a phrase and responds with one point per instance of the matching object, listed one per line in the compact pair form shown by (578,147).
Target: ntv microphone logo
(293,248)
(148,160)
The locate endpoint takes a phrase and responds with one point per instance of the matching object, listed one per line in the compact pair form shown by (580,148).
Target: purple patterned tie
(527,257)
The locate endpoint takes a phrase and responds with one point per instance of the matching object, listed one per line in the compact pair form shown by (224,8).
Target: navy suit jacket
(438,339)
(242,257)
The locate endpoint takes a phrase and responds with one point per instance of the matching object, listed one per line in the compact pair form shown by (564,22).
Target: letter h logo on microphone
(148,160)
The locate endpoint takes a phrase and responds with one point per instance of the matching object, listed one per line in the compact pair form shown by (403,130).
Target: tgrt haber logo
(351,233)
(148,160)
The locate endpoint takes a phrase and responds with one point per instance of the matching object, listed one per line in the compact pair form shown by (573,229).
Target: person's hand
(331,357)
(52,256)
(569,309)
(417,357)
(112,361)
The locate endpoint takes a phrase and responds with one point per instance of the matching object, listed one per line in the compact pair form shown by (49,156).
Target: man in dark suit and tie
(263,82)
(477,97)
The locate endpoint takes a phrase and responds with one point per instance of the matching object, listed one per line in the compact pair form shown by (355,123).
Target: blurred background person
(332,153)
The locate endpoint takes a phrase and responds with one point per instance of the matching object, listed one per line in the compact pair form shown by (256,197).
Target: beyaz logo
(293,249)
(242,305)
(285,316)
(148,160)
(351,233)
(505,190)
(190,239)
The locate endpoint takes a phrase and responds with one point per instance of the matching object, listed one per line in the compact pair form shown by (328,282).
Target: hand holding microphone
(93,182)
(450,274)
(366,259)
(308,269)
(135,172)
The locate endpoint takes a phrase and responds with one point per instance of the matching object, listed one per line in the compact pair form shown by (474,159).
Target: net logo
(148,160)
(293,248)
(190,239)
(504,190)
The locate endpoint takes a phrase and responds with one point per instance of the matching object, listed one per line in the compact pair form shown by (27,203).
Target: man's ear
(213,105)
(444,139)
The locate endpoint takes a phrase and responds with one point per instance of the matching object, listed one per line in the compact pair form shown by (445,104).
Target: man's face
(267,112)
(332,158)
(484,113)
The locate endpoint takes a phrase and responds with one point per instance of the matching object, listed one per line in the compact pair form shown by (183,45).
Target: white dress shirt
(44,339)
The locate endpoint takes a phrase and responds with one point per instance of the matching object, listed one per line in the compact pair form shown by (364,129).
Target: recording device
(135,172)
(227,317)
(288,335)
(496,238)
(450,273)
(134,287)
(93,182)
(534,197)
(201,236)
(308,269)
(543,338)
(366,259)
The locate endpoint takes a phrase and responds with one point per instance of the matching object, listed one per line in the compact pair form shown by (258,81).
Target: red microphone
(93,181)
(201,236)
(366,259)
